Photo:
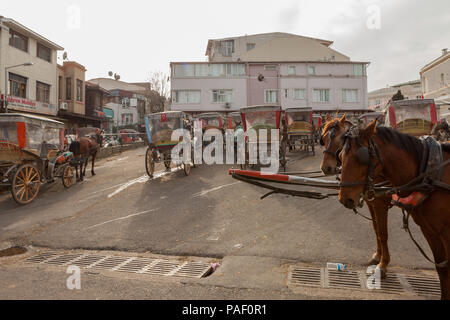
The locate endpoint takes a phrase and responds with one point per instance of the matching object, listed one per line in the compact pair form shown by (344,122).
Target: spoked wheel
(68,176)
(150,162)
(25,184)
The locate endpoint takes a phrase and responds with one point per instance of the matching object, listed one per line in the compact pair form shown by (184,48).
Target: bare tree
(158,90)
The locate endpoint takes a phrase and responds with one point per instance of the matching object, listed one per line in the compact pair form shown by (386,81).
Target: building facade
(435,76)
(277,69)
(379,98)
(32,87)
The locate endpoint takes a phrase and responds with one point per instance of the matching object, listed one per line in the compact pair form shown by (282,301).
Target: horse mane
(332,122)
(403,141)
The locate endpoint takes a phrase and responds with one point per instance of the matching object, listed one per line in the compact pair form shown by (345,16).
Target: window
(270,68)
(286,93)
(184,70)
(125,102)
(350,95)
(17,85)
(186,96)
(222,95)
(358,70)
(234,69)
(42,92)
(299,94)
(18,40)
(291,71)
(321,95)
(250,46)
(227,48)
(127,118)
(68,88)
(209,70)
(270,96)
(79,90)
(378,102)
(217,70)
(311,70)
(44,53)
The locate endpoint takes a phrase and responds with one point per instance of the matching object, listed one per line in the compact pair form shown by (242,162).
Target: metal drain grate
(87,260)
(110,262)
(41,257)
(425,286)
(391,285)
(63,259)
(136,265)
(194,270)
(125,264)
(344,279)
(311,277)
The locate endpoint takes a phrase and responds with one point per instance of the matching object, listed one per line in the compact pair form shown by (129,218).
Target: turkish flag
(163,118)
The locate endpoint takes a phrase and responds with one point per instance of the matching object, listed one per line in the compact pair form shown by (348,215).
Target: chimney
(444,51)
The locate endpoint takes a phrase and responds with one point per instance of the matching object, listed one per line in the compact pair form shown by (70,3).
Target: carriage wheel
(283,160)
(25,184)
(68,176)
(149,162)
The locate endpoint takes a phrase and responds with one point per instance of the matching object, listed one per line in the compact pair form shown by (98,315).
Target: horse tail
(75,147)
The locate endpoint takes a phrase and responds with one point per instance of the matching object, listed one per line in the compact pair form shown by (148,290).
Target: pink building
(283,69)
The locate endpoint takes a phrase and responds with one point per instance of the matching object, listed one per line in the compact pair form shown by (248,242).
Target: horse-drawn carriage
(259,118)
(301,131)
(414,117)
(31,154)
(160,127)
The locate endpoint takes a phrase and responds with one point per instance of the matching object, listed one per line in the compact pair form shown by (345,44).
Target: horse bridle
(365,156)
(334,127)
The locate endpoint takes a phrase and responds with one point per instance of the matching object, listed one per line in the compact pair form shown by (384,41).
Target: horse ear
(371,129)
(343,118)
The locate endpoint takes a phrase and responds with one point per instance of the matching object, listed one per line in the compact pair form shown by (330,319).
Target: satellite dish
(260,77)
(116,77)
(65,55)
(110,73)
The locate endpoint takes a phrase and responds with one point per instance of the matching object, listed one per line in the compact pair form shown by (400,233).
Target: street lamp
(26,64)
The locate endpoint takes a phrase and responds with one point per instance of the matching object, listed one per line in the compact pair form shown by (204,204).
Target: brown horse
(399,157)
(82,149)
(333,139)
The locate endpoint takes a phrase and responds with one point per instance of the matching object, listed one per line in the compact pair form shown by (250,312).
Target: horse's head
(357,156)
(99,137)
(332,138)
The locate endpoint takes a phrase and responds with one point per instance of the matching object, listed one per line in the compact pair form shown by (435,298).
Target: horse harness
(410,195)
(334,127)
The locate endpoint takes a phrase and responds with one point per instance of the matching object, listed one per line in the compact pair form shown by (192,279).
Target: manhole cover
(12,251)
(425,286)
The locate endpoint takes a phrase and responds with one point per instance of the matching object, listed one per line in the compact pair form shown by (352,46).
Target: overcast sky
(135,37)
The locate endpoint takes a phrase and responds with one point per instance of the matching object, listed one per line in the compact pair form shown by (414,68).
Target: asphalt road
(206,214)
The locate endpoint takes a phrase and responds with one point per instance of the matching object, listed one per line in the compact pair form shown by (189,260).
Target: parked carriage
(233,119)
(415,117)
(211,120)
(263,117)
(31,154)
(160,127)
(301,131)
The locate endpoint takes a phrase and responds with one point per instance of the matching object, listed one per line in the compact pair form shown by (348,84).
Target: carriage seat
(48,151)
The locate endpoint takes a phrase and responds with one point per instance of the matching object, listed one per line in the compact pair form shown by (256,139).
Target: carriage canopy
(160,127)
(299,120)
(261,117)
(30,132)
(211,120)
(416,117)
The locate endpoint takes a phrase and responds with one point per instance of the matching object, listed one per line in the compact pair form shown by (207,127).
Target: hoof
(373,262)
(383,272)
(93,174)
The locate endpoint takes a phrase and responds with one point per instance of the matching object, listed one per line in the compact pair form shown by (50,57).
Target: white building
(410,90)
(32,88)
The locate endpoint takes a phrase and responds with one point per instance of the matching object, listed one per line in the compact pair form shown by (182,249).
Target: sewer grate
(193,270)
(110,262)
(62,259)
(425,286)
(162,267)
(41,257)
(391,284)
(136,265)
(343,279)
(311,277)
(125,264)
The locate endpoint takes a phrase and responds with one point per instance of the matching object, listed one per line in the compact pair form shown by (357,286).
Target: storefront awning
(109,113)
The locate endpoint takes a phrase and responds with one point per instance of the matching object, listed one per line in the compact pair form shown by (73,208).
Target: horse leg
(85,165)
(93,161)
(76,171)
(381,208)
(444,273)
(376,258)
